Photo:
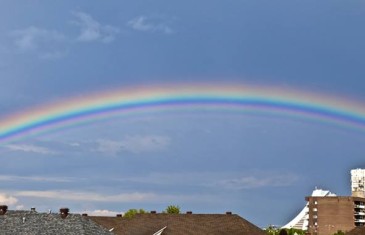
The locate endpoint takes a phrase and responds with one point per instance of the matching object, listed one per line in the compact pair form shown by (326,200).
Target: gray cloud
(30,148)
(47,44)
(134,144)
(36,178)
(92,30)
(143,23)
(248,182)
(33,38)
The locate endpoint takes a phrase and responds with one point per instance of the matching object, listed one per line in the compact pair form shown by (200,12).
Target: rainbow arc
(219,97)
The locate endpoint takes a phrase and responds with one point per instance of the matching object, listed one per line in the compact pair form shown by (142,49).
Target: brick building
(327,215)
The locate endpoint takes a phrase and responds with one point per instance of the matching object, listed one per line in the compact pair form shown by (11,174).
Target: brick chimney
(32,209)
(84,214)
(228,213)
(3,209)
(153,212)
(64,212)
(119,215)
(189,212)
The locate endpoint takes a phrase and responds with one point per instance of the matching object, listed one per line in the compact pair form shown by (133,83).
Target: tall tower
(358,182)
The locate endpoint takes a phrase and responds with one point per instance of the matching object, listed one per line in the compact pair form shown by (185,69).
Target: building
(357,231)
(301,220)
(31,222)
(180,224)
(358,182)
(326,215)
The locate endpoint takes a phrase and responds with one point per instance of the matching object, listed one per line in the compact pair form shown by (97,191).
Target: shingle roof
(34,223)
(180,224)
(357,231)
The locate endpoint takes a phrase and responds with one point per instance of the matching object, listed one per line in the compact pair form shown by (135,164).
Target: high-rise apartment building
(358,182)
(325,213)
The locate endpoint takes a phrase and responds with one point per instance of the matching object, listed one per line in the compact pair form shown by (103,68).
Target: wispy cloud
(87,196)
(47,44)
(92,30)
(36,179)
(7,199)
(30,149)
(33,38)
(143,23)
(249,182)
(82,196)
(134,144)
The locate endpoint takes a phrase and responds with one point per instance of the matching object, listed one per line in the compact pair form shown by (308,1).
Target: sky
(255,164)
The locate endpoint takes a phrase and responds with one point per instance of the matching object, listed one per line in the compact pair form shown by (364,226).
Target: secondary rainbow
(219,97)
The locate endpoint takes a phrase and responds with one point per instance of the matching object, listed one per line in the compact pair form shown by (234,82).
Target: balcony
(360,206)
(359,213)
(359,220)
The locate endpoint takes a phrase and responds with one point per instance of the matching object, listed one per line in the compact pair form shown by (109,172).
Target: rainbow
(216,97)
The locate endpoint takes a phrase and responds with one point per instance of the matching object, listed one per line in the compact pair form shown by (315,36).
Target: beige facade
(327,215)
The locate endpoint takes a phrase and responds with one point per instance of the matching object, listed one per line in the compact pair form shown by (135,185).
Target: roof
(357,231)
(180,224)
(34,223)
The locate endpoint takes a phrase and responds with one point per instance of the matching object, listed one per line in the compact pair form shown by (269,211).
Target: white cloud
(34,38)
(7,199)
(19,207)
(103,213)
(142,23)
(249,182)
(30,148)
(134,144)
(92,30)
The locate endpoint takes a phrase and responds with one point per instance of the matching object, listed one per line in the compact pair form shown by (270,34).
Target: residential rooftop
(180,224)
(22,222)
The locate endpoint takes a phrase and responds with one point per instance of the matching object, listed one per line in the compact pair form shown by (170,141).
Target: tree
(172,209)
(132,212)
(339,232)
(283,232)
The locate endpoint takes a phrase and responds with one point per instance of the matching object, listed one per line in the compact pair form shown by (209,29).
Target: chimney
(64,212)
(3,209)
(84,214)
(119,215)
(32,209)
(153,212)
(228,213)
(189,212)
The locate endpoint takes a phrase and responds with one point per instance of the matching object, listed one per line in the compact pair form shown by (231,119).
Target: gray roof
(34,223)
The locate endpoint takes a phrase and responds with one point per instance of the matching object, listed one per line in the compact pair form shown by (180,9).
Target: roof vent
(32,209)
(3,209)
(153,212)
(228,213)
(119,215)
(189,212)
(64,212)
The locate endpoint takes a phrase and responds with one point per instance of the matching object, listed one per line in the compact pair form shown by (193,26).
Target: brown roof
(357,231)
(180,224)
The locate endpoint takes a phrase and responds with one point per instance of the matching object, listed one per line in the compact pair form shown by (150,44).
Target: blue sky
(258,166)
